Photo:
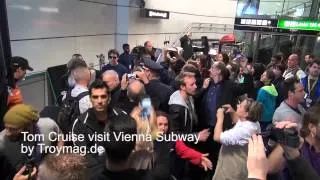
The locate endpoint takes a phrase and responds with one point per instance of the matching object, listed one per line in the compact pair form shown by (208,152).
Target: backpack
(69,111)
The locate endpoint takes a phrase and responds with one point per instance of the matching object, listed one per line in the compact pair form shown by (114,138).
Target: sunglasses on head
(113,57)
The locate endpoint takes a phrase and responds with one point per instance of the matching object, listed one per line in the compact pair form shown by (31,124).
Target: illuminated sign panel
(299,25)
(304,27)
(251,24)
(255,22)
(157,14)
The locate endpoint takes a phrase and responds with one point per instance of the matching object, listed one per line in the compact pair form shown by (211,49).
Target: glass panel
(273,8)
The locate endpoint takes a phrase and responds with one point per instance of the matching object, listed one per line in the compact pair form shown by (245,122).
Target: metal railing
(176,41)
(201,29)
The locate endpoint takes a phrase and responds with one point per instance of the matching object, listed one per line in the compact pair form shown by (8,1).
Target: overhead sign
(158,14)
(255,22)
(299,25)
(251,24)
(306,27)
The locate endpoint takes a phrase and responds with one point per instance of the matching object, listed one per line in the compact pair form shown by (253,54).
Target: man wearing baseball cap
(20,66)
(21,121)
(158,91)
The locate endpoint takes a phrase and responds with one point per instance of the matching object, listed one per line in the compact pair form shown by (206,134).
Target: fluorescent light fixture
(49,10)
(21,7)
(318,39)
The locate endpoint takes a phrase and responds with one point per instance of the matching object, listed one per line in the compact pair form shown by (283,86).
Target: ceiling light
(49,10)
(21,7)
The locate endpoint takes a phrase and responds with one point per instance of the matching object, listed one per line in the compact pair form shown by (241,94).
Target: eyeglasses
(113,57)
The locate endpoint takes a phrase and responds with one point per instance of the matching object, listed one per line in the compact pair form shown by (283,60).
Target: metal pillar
(314,12)
(122,23)
(256,46)
(6,76)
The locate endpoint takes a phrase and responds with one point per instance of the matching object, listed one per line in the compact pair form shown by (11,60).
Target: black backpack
(69,111)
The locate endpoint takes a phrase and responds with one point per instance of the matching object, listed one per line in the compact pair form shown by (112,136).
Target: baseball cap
(21,62)
(152,65)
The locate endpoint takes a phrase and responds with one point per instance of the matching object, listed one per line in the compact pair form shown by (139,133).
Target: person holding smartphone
(233,153)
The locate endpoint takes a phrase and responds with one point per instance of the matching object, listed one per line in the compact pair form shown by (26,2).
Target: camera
(225,109)
(287,137)
(29,166)
(132,76)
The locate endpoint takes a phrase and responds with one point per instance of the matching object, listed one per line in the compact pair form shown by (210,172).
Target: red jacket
(15,97)
(190,154)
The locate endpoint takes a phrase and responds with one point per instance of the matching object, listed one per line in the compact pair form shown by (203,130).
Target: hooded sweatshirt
(183,116)
(267,95)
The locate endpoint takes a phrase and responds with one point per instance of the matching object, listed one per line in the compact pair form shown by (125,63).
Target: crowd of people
(237,116)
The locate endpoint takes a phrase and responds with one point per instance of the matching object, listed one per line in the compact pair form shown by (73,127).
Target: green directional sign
(299,25)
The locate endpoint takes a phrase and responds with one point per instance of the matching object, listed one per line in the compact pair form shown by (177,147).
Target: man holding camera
(300,156)
(158,91)
(132,90)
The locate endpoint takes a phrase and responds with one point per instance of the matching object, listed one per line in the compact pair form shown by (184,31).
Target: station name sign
(158,14)
(299,25)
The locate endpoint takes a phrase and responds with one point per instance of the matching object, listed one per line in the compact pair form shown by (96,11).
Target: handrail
(32,74)
(186,29)
(198,26)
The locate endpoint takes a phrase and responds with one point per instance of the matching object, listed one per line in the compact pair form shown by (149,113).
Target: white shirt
(84,103)
(240,133)
(289,74)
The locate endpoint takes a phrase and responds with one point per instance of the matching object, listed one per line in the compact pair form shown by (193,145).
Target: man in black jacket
(158,91)
(182,113)
(181,106)
(93,121)
(186,44)
(117,164)
(221,91)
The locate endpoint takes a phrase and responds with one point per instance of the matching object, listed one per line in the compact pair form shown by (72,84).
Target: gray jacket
(183,117)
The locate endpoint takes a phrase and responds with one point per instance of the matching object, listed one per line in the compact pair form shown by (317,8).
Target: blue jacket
(304,81)
(267,95)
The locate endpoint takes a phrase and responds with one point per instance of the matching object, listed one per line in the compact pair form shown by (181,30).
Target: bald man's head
(293,61)
(148,45)
(111,79)
(135,90)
